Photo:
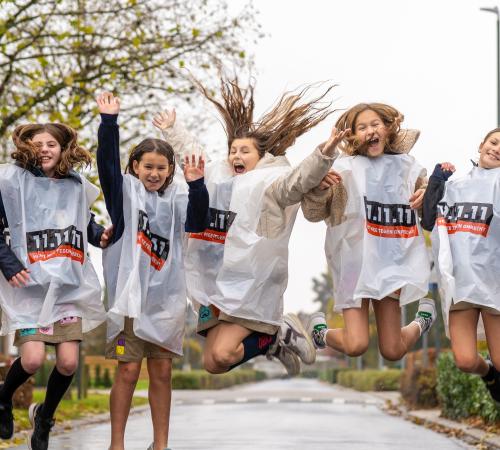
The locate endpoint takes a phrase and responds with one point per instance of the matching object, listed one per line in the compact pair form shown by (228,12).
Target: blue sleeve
(198,213)
(94,232)
(9,263)
(110,174)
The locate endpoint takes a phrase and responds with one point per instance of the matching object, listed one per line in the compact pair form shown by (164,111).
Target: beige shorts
(127,347)
(210,316)
(463,306)
(64,330)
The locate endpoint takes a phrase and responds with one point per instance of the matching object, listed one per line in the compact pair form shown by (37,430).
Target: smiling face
(48,152)
(152,169)
(243,156)
(489,151)
(371,132)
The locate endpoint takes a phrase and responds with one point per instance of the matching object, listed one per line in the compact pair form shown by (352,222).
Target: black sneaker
(6,421)
(39,438)
(493,384)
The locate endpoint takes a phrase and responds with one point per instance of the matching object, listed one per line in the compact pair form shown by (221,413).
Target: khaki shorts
(210,316)
(462,306)
(127,347)
(64,330)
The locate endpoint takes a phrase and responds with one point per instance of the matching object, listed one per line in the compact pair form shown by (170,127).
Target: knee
(128,374)
(67,366)
(466,363)
(356,347)
(31,363)
(162,375)
(392,353)
(222,357)
(212,365)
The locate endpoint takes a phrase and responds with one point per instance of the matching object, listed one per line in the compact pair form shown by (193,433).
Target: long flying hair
(277,129)
(72,155)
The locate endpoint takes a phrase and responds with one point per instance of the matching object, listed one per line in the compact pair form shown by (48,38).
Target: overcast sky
(435,61)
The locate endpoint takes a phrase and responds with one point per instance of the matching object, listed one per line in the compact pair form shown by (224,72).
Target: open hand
(331,178)
(336,137)
(108,103)
(20,279)
(164,119)
(447,167)
(194,171)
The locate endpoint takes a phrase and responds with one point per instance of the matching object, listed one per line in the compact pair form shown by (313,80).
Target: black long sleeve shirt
(433,195)
(111,178)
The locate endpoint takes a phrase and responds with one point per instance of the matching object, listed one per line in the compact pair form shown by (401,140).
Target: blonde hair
(72,155)
(390,116)
(276,130)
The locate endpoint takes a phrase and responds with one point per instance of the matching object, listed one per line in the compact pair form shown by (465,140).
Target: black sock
(490,376)
(57,385)
(254,345)
(16,376)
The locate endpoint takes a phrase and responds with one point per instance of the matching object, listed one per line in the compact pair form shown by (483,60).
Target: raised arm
(108,161)
(434,193)
(198,216)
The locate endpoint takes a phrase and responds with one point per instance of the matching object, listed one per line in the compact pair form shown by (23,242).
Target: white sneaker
(289,359)
(315,327)
(294,337)
(426,314)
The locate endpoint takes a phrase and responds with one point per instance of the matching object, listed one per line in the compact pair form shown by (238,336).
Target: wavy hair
(277,129)
(390,116)
(72,155)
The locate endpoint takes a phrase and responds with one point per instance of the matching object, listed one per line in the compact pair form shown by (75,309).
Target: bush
(97,377)
(106,379)
(370,380)
(331,375)
(418,387)
(461,394)
(199,379)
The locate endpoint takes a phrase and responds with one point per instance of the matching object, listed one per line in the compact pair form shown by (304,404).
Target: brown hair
(157,146)
(278,129)
(72,154)
(495,130)
(390,116)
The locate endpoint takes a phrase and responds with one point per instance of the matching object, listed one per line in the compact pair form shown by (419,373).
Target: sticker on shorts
(49,331)
(68,320)
(27,332)
(205,314)
(120,348)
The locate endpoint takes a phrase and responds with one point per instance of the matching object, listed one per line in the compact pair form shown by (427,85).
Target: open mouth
(45,159)
(238,168)
(373,142)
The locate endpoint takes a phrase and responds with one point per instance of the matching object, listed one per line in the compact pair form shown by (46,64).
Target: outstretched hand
(108,103)
(331,179)
(336,137)
(20,279)
(164,119)
(192,170)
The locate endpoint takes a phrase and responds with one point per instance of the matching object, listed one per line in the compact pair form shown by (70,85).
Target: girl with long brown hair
(237,268)
(50,294)
(374,244)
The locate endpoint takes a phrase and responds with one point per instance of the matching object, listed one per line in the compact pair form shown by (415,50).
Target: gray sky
(435,61)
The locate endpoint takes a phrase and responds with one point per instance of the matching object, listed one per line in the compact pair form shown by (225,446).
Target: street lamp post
(495,11)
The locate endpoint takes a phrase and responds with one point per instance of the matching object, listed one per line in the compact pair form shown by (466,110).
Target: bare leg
(120,400)
(492,329)
(223,346)
(354,338)
(394,341)
(160,393)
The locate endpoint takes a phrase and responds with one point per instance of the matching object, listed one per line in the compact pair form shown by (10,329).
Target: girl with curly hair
(50,293)
(374,244)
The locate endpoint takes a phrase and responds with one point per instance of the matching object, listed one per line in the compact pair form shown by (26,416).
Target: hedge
(370,380)
(199,379)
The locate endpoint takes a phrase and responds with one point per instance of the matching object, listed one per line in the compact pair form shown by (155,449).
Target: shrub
(418,387)
(370,380)
(199,379)
(461,394)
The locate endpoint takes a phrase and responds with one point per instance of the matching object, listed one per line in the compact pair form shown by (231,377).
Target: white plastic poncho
(48,221)
(466,241)
(253,273)
(144,270)
(379,248)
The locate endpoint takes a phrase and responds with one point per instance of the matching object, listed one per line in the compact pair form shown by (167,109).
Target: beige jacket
(285,191)
(329,204)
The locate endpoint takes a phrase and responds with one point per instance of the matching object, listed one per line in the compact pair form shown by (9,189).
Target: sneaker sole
(297,324)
